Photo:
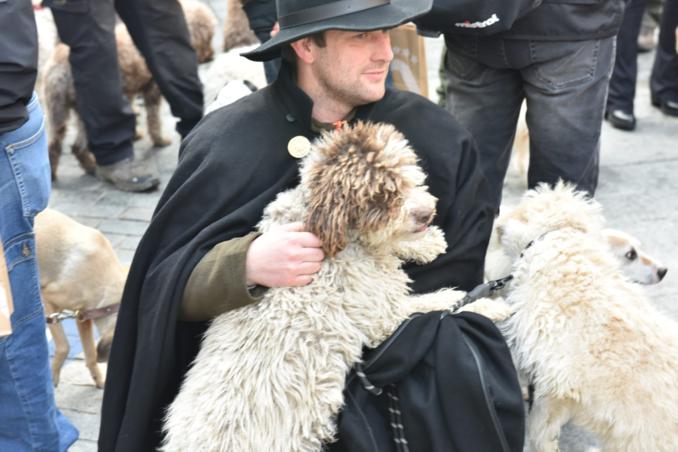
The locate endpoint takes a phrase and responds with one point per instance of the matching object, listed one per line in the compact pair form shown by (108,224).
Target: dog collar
(82,315)
(535,240)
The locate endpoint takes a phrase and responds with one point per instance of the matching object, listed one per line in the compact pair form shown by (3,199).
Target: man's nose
(383,51)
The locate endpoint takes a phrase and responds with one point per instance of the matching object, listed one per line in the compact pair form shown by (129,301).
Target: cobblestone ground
(638,190)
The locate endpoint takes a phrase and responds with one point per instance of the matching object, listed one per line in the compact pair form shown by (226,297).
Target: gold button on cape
(299,146)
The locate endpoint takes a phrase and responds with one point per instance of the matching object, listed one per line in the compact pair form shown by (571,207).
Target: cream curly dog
(599,354)
(270,376)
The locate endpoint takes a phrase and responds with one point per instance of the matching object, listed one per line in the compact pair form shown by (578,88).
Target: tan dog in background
(79,271)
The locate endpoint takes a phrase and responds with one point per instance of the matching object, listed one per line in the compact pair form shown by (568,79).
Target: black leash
(484,290)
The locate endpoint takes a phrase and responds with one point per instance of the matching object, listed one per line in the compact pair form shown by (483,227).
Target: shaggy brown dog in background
(136,80)
(202,24)
(237,30)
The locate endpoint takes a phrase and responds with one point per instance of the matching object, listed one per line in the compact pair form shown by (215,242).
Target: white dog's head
(634,263)
(362,184)
(545,209)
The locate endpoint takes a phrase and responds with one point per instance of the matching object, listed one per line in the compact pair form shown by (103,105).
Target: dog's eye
(631,255)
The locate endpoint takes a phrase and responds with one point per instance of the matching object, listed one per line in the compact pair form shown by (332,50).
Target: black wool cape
(230,167)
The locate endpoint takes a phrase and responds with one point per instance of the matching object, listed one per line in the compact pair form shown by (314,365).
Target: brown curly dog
(59,91)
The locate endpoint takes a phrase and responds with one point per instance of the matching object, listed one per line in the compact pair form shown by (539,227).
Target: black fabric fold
(446,405)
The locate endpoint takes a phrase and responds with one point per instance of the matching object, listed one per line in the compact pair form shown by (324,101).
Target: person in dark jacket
(200,255)
(159,30)
(558,58)
(29,418)
(262,17)
(664,77)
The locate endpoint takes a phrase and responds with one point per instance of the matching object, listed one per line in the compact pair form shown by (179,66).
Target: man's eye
(631,255)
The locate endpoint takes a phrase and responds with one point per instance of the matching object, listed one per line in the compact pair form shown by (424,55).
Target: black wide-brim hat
(300,18)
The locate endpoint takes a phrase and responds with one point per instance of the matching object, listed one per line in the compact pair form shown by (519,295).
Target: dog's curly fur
(202,24)
(237,30)
(595,348)
(270,376)
(136,81)
(47,40)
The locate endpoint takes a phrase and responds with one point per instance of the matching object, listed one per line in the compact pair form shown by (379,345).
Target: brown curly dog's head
(363,183)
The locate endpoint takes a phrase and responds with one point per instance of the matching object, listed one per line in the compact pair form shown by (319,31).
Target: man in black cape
(200,255)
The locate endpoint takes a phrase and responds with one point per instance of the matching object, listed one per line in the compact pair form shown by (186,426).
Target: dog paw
(495,309)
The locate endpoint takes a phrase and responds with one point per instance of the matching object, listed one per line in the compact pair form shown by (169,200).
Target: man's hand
(284,257)
(275,30)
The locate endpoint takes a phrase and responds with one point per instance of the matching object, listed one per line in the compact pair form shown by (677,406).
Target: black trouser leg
(623,82)
(271,67)
(262,16)
(664,79)
(108,118)
(159,30)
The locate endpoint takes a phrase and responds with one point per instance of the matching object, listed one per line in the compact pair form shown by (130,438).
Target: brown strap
(97,313)
(328,11)
(81,316)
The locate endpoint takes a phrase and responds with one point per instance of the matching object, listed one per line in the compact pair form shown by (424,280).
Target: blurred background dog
(79,271)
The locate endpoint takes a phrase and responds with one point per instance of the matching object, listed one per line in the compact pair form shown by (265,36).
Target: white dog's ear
(514,236)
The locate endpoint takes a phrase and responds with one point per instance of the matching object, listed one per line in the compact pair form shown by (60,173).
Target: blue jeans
(29,418)
(565,86)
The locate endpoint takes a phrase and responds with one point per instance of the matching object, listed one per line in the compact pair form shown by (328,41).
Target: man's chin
(375,94)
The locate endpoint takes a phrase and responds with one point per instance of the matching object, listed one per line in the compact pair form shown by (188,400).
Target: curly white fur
(270,376)
(598,352)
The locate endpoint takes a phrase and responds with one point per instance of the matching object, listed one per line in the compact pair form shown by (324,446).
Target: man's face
(352,66)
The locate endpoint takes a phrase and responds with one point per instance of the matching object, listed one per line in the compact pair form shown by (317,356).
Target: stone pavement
(638,190)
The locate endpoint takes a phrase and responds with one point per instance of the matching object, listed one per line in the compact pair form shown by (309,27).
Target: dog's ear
(354,181)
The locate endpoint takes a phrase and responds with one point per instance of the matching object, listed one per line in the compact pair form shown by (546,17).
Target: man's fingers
(308,268)
(301,280)
(309,241)
(303,238)
(311,255)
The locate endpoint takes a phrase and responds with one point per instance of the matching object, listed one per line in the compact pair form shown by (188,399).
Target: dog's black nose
(662,272)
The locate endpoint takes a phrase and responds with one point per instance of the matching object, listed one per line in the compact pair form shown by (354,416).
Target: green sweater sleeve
(217,283)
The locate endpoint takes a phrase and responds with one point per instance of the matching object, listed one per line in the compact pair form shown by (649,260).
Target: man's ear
(304,49)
